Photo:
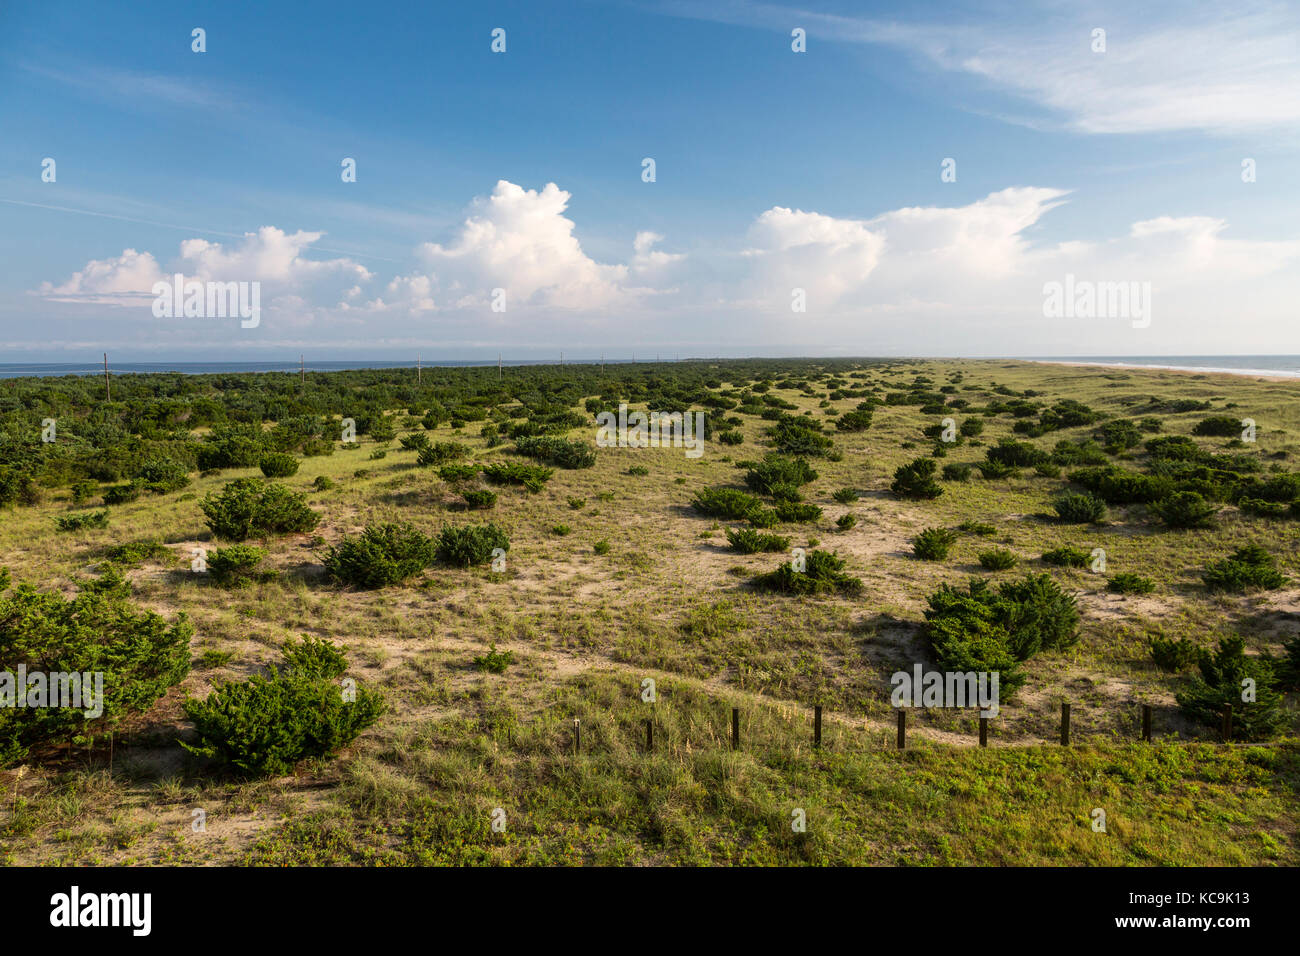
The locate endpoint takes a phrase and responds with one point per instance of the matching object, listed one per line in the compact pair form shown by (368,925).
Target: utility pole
(419,370)
(108,389)
(302,368)
(498,365)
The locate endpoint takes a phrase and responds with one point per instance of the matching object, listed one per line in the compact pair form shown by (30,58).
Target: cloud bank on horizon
(535,265)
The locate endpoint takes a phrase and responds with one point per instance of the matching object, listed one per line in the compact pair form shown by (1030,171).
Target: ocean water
(28,369)
(1278,365)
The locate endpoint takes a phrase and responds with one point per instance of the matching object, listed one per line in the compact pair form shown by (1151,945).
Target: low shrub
(278,465)
(1068,557)
(796,512)
(249,507)
(1184,509)
(263,726)
(823,573)
(997,559)
(1171,655)
(382,555)
(916,480)
(531,477)
(1248,568)
(956,471)
(1219,686)
(82,520)
(139,653)
(466,545)
(846,522)
(845,496)
(441,452)
(1080,509)
(749,541)
(236,566)
(933,544)
(729,503)
(494,661)
(1128,583)
(480,499)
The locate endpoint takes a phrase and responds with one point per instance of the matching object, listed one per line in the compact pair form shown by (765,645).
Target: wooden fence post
(984,731)
(902,728)
(817,725)
(649,736)
(1227,723)
(1146,722)
(1065,725)
(735,728)
(577,736)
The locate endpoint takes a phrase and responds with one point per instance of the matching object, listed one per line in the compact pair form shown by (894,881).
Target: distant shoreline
(1272,375)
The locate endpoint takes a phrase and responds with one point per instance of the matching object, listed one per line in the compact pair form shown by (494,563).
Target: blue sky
(775,171)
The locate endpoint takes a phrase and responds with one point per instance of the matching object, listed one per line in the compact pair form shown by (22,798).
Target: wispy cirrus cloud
(1209,67)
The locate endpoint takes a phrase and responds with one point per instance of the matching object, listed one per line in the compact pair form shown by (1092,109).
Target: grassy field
(669,600)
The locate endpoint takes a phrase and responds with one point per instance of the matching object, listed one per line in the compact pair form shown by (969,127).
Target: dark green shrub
(1080,508)
(457,473)
(997,559)
(823,574)
(467,545)
(1171,655)
(494,661)
(99,630)
(600,547)
(854,421)
(322,483)
(1068,557)
(1221,426)
(916,480)
(1248,568)
(748,541)
(532,477)
(382,555)
(731,437)
(163,475)
(123,494)
(236,566)
(1017,454)
(556,451)
(799,436)
(137,552)
(956,472)
(846,522)
(278,465)
(439,453)
(1127,583)
(994,470)
(480,499)
(1184,509)
(1264,509)
(933,544)
(778,473)
(1220,685)
(845,496)
(729,503)
(81,520)
(250,507)
(795,512)
(414,441)
(977,527)
(266,724)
